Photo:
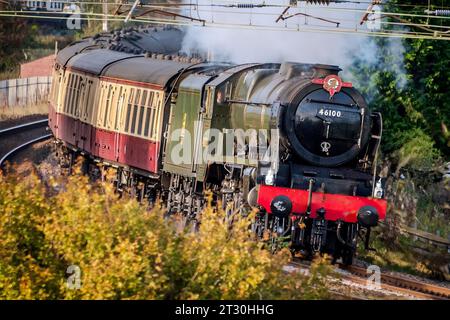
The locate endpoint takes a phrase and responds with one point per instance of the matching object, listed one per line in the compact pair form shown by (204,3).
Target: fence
(26,91)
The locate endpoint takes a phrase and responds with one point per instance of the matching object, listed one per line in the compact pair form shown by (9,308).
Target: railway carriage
(135,108)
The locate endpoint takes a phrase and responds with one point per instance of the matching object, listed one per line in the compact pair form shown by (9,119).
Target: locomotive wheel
(343,252)
(347,256)
(278,233)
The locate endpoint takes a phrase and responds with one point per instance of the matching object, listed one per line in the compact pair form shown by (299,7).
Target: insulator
(318,1)
(245,5)
(442,13)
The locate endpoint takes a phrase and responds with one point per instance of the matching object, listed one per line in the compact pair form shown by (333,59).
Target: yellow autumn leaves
(125,251)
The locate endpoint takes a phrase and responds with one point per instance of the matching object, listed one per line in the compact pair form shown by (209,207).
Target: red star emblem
(332,84)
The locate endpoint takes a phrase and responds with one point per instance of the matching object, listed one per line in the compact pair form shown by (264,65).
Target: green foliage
(408,83)
(398,257)
(433,209)
(126,251)
(15,35)
(28,267)
(416,149)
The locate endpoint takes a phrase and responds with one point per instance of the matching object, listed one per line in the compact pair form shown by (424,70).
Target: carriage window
(91,102)
(78,91)
(155,122)
(141,119)
(81,98)
(86,100)
(130,104)
(147,121)
(150,114)
(71,93)
(102,104)
(72,82)
(66,98)
(135,111)
(75,93)
(141,111)
(108,102)
(119,108)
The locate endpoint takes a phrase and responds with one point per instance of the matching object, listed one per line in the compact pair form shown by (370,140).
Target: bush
(416,151)
(28,267)
(126,251)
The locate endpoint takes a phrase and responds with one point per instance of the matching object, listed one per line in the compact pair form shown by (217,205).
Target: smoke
(234,37)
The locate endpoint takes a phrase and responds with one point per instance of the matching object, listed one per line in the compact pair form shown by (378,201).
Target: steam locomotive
(292,140)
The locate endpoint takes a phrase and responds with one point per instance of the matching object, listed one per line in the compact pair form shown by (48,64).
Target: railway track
(412,287)
(17,138)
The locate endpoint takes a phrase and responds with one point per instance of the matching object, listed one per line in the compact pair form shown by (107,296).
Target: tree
(15,35)
(410,88)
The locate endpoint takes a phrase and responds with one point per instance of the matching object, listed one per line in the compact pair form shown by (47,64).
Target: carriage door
(85,138)
(118,128)
(78,112)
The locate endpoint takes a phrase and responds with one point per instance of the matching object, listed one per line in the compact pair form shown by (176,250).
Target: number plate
(330,113)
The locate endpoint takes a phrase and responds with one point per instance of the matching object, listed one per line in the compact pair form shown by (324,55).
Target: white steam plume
(241,45)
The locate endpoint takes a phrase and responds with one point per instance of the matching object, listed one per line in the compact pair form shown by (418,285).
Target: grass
(396,258)
(431,217)
(10,74)
(422,204)
(402,257)
(21,111)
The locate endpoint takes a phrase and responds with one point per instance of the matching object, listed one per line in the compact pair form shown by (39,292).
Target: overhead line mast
(105,16)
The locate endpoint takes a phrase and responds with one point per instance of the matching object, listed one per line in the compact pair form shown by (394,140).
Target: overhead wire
(223,2)
(323,8)
(404,34)
(309,7)
(310,27)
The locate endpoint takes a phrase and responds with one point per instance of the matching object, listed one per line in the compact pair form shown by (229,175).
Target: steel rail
(22,146)
(403,284)
(20,127)
(418,289)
